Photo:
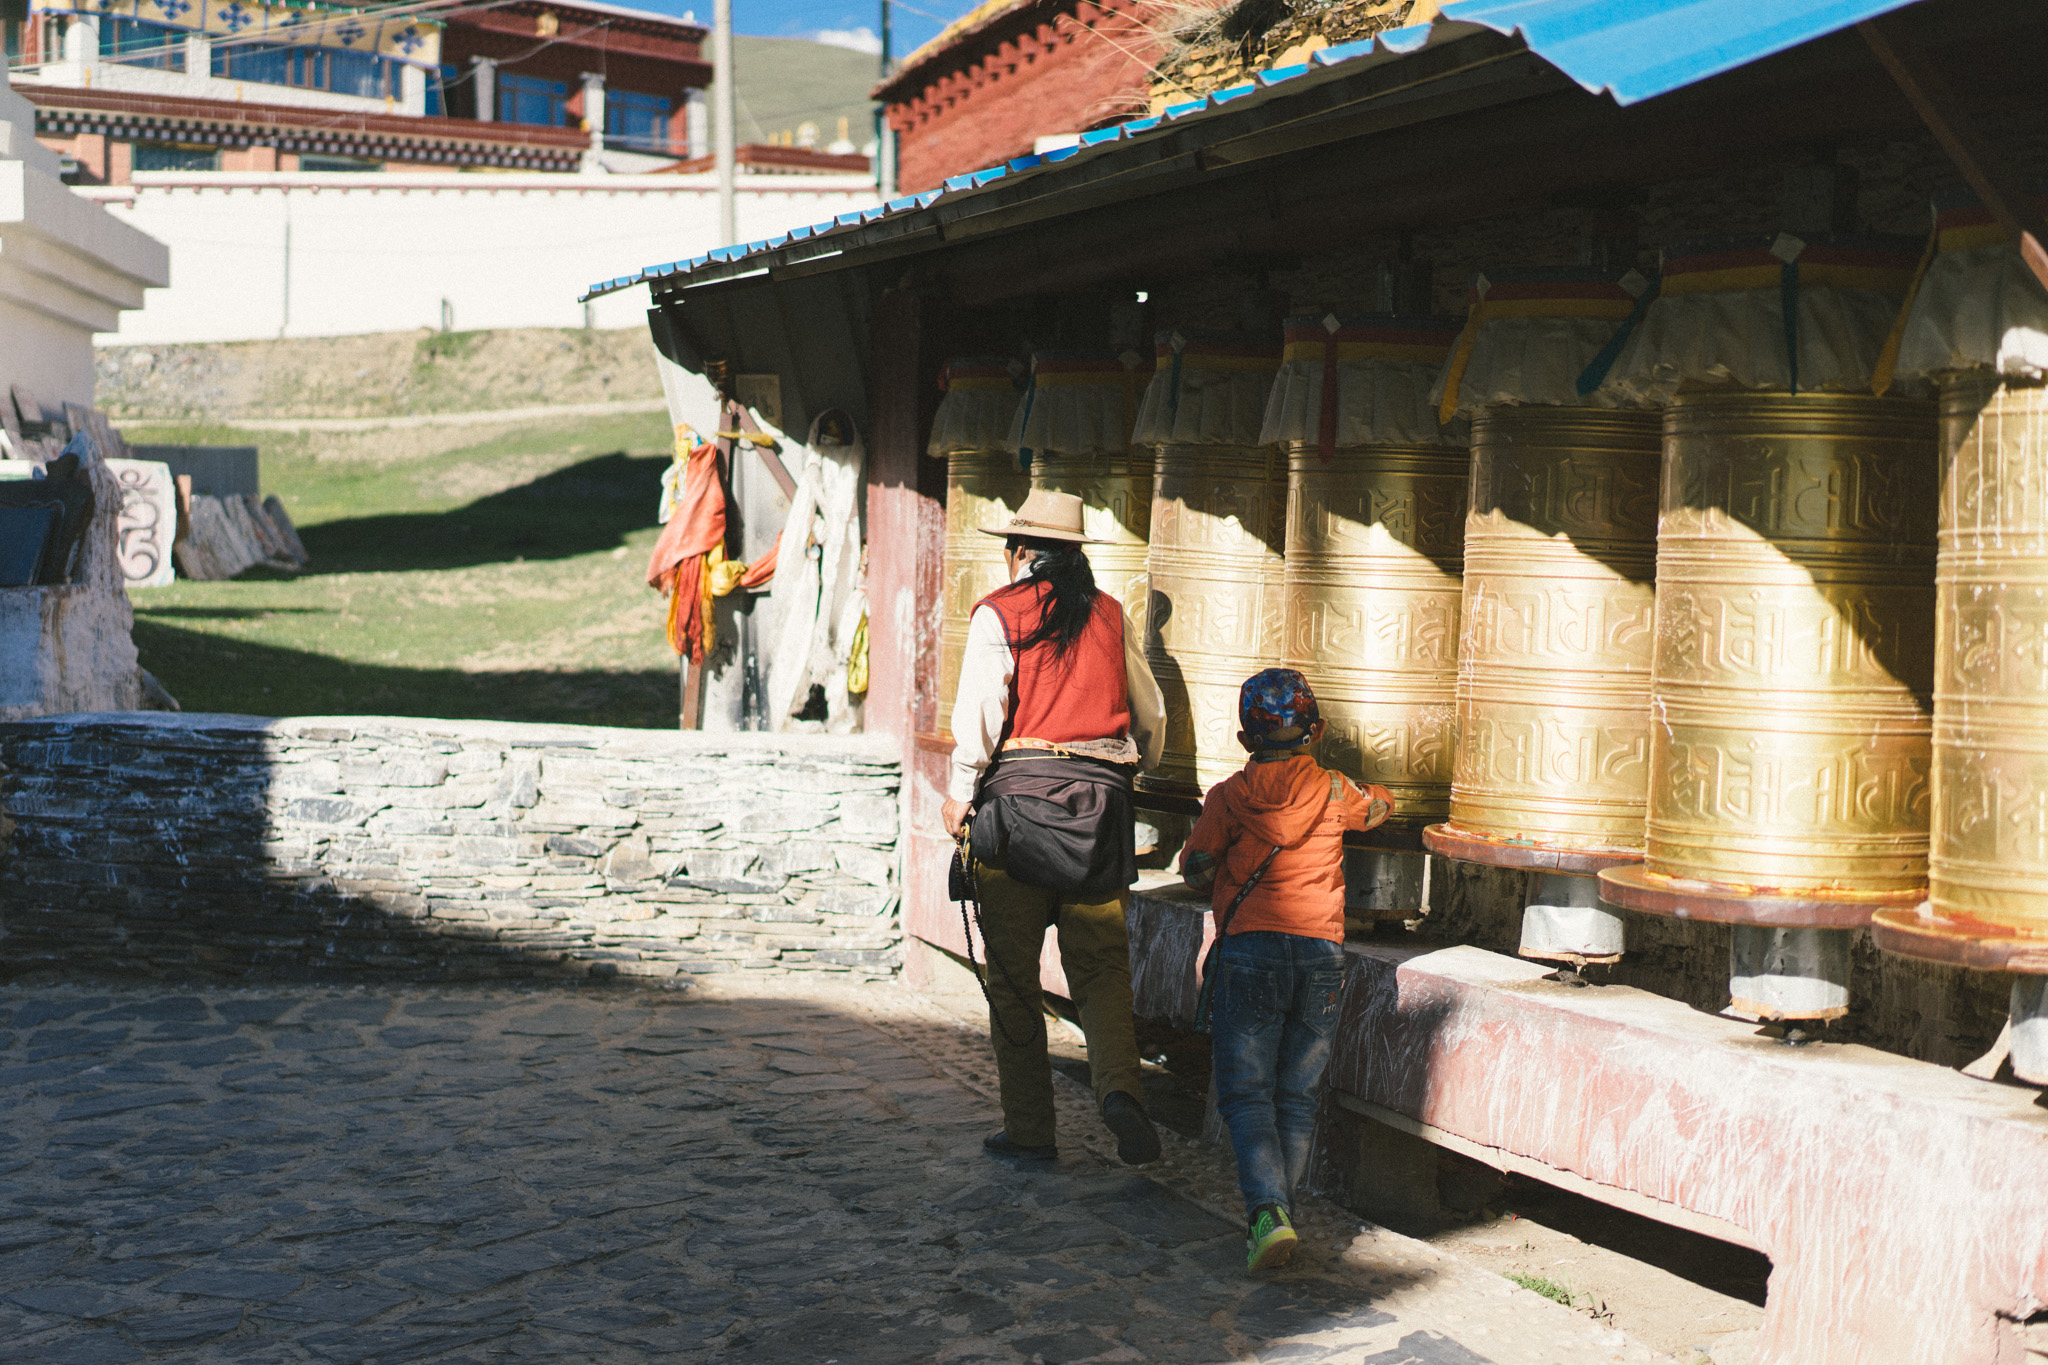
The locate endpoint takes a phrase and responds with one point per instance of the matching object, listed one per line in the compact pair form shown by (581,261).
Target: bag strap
(1230,912)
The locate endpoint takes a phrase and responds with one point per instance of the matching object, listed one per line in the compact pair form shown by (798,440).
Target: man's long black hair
(1070,599)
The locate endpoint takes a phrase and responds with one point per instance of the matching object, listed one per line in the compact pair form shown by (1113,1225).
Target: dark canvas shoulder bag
(1060,823)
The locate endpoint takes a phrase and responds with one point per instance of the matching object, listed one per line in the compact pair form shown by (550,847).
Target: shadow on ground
(587,506)
(408,1173)
(209,672)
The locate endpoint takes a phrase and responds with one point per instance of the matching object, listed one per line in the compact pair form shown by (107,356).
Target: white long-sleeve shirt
(982,706)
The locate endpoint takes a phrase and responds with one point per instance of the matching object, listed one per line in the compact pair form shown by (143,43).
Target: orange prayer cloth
(677,567)
(762,570)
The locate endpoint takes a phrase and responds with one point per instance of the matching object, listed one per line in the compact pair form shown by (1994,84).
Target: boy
(1281,963)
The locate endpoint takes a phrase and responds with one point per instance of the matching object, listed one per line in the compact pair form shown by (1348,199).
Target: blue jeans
(1276,1009)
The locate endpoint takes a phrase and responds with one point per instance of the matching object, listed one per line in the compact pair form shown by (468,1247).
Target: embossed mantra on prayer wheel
(1559,620)
(1988,861)
(1084,404)
(1116,510)
(1375,536)
(1794,658)
(983,489)
(1219,512)
(1219,518)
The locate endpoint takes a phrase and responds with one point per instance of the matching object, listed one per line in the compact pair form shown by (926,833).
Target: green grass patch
(452,576)
(1549,1289)
(447,345)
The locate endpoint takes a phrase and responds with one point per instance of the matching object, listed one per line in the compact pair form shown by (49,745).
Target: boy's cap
(1276,699)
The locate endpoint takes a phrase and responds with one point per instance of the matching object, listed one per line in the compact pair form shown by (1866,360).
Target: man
(1056,712)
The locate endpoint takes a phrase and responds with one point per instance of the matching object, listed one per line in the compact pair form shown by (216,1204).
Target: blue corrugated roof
(1640,48)
(1632,48)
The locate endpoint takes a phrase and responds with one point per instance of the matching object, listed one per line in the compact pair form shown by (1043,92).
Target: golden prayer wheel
(1987,905)
(1116,510)
(1795,633)
(1989,853)
(1559,610)
(1375,539)
(1219,517)
(984,488)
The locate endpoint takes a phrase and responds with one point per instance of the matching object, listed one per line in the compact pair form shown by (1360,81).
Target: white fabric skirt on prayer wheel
(1977,306)
(1357,380)
(1530,333)
(1079,403)
(1721,319)
(982,395)
(1206,389)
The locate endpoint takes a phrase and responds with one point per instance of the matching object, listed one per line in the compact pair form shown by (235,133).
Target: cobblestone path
(304,1174)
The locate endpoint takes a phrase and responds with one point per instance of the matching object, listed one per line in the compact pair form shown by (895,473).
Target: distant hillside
(786,82)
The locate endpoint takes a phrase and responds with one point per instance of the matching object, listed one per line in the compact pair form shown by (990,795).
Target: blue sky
(852,22)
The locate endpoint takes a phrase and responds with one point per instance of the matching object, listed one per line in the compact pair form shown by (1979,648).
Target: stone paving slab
(466,1174)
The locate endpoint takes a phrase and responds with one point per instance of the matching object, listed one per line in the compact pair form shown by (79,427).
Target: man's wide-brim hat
(1046,515)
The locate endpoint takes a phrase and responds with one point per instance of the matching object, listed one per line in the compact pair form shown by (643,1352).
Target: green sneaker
(1270,1241)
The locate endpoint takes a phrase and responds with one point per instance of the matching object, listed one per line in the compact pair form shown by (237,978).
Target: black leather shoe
(1137,1141)
(999,1144)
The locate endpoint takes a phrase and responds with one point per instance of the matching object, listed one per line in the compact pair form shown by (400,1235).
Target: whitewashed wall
(328,254)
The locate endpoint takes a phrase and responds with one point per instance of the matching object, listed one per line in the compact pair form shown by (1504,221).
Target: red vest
(1083,696)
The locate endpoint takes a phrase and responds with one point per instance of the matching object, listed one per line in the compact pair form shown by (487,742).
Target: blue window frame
(262,63)
(136,42)
(635,120)
(156,156)
(358,73)
(309,68)
(526,99)
(437,91)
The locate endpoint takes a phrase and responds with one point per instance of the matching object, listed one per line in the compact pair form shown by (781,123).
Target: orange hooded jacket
(1288,802)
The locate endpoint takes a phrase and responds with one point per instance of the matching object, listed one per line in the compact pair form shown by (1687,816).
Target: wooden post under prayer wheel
(1219,508)
(1795,597)
(1375,537)
(1553,668)
(984,487)
(1978,326)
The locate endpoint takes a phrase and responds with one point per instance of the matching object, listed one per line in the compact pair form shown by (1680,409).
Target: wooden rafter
(1982,167)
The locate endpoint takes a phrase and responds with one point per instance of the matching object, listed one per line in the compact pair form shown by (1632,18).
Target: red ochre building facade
(1012,72)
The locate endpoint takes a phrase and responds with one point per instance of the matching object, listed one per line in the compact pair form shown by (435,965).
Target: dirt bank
(379,374)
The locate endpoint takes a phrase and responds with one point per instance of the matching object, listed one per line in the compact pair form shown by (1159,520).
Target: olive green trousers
(1095,949)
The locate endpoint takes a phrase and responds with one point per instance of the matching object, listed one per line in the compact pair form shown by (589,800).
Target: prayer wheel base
(1653,893)
(1175,791)
(1980,946)
(1917,931)
(1385,883)
(1523,855)
(2030,1029)
(1566,921)
(1788,973)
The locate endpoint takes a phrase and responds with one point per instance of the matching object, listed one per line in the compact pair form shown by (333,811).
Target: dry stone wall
(432,849)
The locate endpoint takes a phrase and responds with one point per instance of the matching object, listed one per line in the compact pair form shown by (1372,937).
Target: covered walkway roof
(1629,49)
(1459,121)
